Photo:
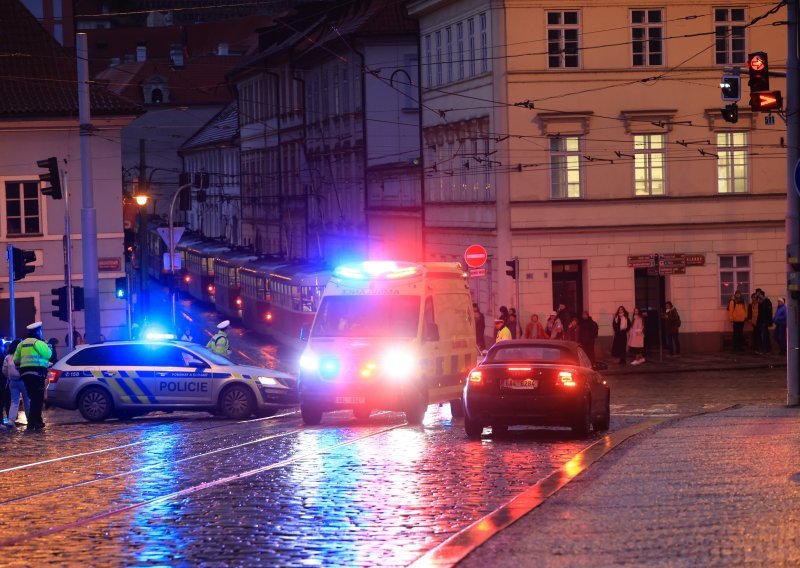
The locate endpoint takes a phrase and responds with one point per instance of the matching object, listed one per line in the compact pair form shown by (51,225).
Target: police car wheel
(236,402)
(311,415)
(95,404)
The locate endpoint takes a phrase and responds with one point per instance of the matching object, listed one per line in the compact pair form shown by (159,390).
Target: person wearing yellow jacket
(737,312)
(32,358)
(219,342)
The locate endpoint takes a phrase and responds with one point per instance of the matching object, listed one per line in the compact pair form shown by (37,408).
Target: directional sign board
(475,256)
(671,264)
(177,233)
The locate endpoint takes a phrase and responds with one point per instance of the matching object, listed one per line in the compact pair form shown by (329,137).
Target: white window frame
(471,44)
(460,48)
(565,163)
(484,42)
(449,48)
(727,32)
(733,162)
(40,214)
(439,77)
(735,276)
(428,61)
(649,164)
(558,58)
(649,29)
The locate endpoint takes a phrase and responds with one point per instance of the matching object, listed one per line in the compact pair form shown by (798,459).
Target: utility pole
(88,213)
(792,227)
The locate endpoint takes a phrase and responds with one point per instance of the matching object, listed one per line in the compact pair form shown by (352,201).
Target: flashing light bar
(157,336)
(377,269)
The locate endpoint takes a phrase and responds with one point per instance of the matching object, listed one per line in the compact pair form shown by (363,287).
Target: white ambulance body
(389,336)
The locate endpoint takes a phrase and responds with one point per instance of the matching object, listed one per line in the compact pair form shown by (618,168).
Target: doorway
(649,298)
(568,285)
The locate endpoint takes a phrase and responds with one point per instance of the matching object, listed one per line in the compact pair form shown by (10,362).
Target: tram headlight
(399,363)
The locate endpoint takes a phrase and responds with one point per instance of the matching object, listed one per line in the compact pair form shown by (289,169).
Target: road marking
(458,546)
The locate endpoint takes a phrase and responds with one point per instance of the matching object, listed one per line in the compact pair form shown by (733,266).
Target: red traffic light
(770,100)
(756,62)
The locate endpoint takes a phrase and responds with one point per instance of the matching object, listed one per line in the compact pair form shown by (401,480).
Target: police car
(130,378)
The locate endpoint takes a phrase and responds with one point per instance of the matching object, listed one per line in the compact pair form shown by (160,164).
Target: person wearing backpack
(672,324)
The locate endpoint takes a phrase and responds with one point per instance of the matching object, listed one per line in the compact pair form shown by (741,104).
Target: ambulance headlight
(267,381)
(399,363)
(309,361)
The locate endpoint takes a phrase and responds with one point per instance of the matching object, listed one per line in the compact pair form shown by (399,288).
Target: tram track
(32,533)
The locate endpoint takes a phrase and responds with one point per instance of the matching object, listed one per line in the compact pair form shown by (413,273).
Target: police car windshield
(367,316)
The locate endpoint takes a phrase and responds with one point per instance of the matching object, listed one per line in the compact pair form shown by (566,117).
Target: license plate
(522,383)
(350,400)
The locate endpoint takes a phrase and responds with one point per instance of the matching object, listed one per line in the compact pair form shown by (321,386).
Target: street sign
(671,264)
(642,261)
(176,258)
(109,264)
(695,260)
(474,272)
(475,256)
(177,233)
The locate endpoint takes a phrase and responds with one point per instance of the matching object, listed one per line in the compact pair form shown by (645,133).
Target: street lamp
(141,199)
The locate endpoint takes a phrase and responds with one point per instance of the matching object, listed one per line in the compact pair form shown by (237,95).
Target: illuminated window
(729,26)
(562,39)
(648,37)
(648,164)
(565,167)
(732,162)
(22,208)
(734,274)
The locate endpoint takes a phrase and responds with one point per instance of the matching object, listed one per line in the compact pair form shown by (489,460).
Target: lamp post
(142,300)
(172,250)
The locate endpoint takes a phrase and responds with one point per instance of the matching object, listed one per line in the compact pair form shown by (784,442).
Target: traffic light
(77,298)
(60,302)
(22,262)
(731,86)
(770,100)
(121,287)
(200,180)
(730,113)
(513,268)
(52,178)
(758,67)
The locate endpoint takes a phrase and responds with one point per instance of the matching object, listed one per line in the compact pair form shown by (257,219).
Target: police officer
(32,358)
(503,333)
(219,343)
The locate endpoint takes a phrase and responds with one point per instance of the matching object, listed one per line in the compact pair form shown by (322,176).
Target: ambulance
(388,335)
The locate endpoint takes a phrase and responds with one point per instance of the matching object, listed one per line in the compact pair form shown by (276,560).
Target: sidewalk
(717,489)
(718,361)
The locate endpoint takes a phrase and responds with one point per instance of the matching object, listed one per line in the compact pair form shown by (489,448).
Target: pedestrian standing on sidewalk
(672,325)
(636,337)
(17,387)
(512,324)
(32,358)
(780,325)
(737,312)
(554,329)
(571,333)
(752,317)
(480,327)
(764,321)
(534,329)
(587,334)
(620,324)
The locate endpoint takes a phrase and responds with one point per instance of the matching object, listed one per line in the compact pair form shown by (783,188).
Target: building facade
(608,168)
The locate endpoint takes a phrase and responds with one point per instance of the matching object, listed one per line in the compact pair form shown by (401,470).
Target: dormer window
(155,90)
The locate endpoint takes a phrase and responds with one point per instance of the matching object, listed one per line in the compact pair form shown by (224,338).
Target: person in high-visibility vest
(219,342)
(503,333)
(32,358)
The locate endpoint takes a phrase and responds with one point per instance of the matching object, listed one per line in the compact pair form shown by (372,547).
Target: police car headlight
(399,363)
(309,361)
(268,381)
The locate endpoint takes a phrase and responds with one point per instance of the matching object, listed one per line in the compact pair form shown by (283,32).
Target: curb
(653,370)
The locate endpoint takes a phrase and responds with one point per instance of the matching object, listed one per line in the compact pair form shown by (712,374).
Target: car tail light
(187,278)
(268,316)
(566,379)
(239,302)
(210,288)
(476,377)
(52,376)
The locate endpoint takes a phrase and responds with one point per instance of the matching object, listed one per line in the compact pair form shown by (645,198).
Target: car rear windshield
(367,316)
(535,354)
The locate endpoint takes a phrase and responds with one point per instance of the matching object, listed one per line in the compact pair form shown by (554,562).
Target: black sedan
(536,382)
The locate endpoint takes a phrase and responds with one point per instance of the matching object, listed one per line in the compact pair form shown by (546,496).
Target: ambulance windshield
(367,316)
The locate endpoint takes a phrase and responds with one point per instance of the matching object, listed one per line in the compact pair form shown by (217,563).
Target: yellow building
(589,142)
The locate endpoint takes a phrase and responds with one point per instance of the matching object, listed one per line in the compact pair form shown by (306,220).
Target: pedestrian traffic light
(731,86)
(22,262)
(758,67)
(52,178)
(77,298)
(513,267)
(770,100)
(730,113)
(121,287)
(60,302)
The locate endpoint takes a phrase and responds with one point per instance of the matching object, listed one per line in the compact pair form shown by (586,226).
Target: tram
(200,261)
(182,277)
(295,292)
(256,299)
(227,286)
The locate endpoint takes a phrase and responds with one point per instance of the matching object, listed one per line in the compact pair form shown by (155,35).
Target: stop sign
(475,256)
